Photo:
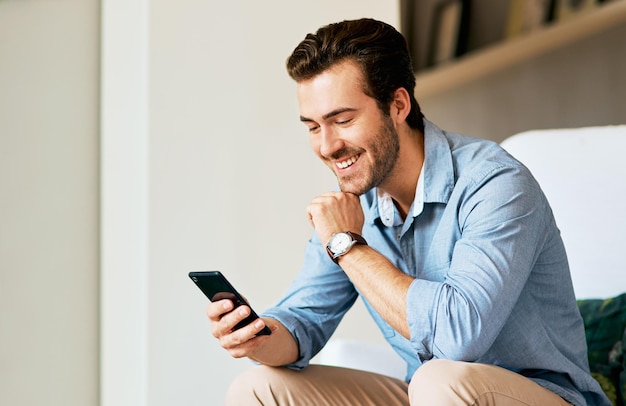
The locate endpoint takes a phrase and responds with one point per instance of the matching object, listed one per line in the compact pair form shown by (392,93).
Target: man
(449,241)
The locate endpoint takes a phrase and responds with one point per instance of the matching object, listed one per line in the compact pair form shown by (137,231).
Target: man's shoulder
(477,155)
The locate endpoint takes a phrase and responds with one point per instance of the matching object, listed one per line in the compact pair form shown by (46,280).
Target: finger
(247,348)
(215,310)
(326,198)
(246,333)
(312,211)
(310,217)
(226,322)
(241,341)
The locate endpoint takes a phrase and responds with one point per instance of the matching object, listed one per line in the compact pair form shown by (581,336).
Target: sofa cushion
(605,331)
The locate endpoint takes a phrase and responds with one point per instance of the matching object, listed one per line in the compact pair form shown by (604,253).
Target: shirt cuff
(294,326)
(421,298)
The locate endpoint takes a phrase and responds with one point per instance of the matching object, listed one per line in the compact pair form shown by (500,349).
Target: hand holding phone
(216,287)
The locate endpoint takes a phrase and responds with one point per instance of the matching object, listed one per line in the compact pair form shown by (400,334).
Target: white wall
(49,202)
(229,173)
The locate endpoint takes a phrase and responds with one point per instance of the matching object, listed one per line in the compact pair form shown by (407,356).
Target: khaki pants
(436,383)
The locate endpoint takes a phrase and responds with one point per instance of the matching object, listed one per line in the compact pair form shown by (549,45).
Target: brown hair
(378,48)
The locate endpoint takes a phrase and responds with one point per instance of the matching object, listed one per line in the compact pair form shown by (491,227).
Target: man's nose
(330,142)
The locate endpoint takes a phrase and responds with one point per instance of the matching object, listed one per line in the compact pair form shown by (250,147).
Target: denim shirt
(492,282)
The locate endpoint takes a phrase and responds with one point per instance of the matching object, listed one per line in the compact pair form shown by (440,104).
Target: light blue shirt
(492,282)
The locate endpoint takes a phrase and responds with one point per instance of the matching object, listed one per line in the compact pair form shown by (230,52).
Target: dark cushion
(605,331)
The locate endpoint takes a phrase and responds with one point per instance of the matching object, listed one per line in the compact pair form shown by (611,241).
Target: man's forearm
(384,286)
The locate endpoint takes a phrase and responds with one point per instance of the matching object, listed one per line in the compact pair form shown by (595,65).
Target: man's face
(347,130)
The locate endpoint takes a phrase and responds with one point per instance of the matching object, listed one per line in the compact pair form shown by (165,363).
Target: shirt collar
(387,210)
(439,177)
(435,182)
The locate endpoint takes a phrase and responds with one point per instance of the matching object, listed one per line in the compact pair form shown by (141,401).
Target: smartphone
(216,287)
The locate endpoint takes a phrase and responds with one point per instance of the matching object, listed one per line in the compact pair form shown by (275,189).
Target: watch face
(339,242)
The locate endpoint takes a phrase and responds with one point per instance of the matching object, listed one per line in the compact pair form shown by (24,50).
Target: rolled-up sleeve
(315,302)
(501,220)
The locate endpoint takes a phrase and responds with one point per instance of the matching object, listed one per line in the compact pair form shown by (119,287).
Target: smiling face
(347,129)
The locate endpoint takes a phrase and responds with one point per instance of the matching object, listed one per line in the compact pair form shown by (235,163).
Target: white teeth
(347,162)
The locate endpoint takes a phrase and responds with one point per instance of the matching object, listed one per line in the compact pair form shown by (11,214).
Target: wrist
(341,243)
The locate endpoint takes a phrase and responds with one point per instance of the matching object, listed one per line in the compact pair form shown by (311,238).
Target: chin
(354,189)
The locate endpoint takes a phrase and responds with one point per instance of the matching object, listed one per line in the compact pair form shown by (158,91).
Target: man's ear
(400,105)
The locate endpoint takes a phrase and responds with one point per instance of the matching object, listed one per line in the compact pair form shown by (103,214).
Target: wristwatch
(340,243)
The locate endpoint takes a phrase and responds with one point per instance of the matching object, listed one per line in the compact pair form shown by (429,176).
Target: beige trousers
(438,383)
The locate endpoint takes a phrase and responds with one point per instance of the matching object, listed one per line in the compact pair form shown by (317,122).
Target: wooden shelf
(492,59)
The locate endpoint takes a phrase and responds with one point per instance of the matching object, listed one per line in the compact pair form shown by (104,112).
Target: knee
(256,385)
(434,373)
(238,390)
(437,382)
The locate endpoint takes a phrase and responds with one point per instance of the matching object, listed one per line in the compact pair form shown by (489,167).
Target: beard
(384,150)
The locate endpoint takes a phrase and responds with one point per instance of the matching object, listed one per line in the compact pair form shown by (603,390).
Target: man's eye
(343,122)
(313,129)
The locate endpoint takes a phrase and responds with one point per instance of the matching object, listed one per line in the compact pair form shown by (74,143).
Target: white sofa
(583,173)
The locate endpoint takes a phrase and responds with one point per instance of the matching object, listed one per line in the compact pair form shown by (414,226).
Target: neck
(402,183)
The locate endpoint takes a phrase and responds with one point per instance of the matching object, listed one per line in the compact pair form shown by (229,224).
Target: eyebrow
(328,115)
